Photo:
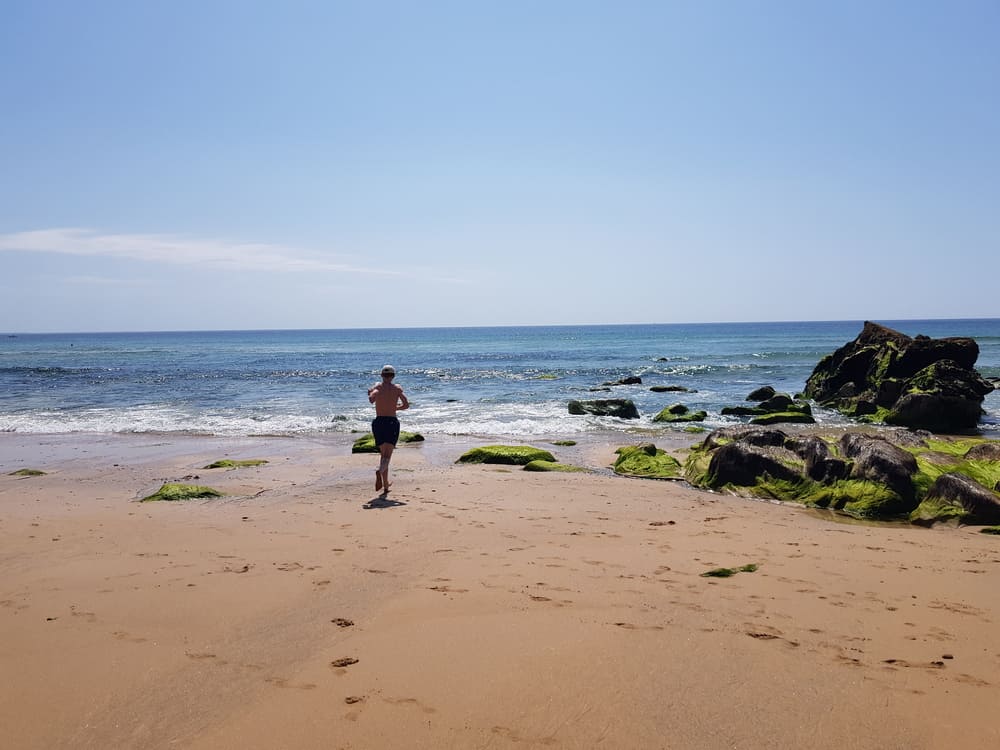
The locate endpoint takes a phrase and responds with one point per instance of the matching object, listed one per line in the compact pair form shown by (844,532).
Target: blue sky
(219,165)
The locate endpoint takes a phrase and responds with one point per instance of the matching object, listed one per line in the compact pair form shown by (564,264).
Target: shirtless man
(388,398)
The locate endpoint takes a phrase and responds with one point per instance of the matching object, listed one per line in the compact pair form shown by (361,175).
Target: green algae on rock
(552,466)
(564,443)
(27,473)
(646,461)
(366,443)
(899,475)
(516,455)
(783,416)
(171,491)
(227,463)
(679,413)
(990,530)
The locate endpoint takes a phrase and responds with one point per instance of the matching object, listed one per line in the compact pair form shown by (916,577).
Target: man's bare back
(388,398)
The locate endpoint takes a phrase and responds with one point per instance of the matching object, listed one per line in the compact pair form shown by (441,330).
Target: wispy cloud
(162,248)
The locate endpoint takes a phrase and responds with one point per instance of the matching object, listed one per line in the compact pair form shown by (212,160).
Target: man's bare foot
(378,480)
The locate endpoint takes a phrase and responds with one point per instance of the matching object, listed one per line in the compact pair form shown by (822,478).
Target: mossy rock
(646,461)
(226,463)
(366,443)
(694,428)
(551,466)
(516,455)
(990,530)
(680,413)
(27,473)
(564,443)
(171,491)
(783,416)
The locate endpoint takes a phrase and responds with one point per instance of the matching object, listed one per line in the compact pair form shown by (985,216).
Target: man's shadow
(382,501)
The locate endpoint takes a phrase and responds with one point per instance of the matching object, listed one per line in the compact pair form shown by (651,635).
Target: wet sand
(476,607)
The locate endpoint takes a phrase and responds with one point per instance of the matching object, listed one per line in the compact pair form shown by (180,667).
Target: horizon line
(15,334)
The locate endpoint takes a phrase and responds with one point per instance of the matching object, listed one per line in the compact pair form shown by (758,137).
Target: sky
(207,165)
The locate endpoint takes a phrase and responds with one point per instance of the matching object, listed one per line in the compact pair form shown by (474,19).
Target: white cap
(388,370)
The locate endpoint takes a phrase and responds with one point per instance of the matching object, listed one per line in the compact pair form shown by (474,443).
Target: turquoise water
(489,382)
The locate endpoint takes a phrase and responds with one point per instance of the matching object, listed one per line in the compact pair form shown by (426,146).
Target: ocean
(510,383)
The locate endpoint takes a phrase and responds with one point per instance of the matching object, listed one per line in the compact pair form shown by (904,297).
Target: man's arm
(372,394)
(403,402)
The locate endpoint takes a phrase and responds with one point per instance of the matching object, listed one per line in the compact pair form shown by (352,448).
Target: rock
(742,464)
(172,491)
(954,497)
(783,416)
(670,415)
(622,408)
(821,466)
(551,466)
(516,455)
(887,376)
(876,459)
(670,388)
(864,475)
(646,461)
(984,452)
(630,380)
(761,394)
(744,433)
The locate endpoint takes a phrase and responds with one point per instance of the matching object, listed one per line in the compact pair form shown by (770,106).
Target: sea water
(508,383)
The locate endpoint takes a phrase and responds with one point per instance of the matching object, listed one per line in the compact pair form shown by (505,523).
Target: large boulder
(895,474)
(622,408)
(887,376)
(875,459)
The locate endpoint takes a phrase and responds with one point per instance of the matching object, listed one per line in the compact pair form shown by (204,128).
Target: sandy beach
(477,607)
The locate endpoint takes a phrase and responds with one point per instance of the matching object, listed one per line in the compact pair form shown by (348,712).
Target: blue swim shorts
(385,430)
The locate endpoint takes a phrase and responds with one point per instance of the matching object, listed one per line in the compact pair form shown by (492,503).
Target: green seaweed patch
(227,463)
(696,466)
(517,455)
(564,443)
(859,498)
(990,530)
(646,461)
(956,448)
(27,473)
(729,572)
(551,466)
(695,428)
(783,416)
(937,510)
(172,491)
(366,443)
(986,473)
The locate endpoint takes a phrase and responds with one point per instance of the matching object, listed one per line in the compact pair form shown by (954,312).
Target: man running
(388,398)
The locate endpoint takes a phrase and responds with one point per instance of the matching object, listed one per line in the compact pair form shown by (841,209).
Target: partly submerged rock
(516,455)
(27,473)
(671,389)
(887,376)
(761,394)
(623,408)
(680,413)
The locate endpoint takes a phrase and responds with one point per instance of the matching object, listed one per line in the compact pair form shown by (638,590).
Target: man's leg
(386,450)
